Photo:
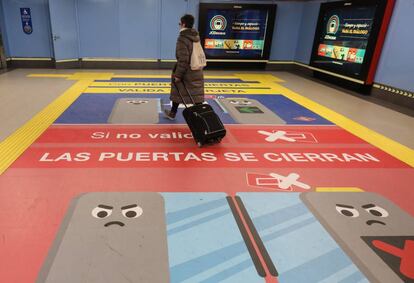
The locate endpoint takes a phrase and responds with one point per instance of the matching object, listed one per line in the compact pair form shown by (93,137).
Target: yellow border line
(332,74)
(13,146)
(67,60)
(31,59)
(92,59)
(142,76)
(317,69)
(399,151)
(237,60)
(169,76)
(97,76)
(48,76)
(280,62)
(338,189)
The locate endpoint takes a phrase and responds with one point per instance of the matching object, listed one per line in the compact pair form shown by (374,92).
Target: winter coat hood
(191,34)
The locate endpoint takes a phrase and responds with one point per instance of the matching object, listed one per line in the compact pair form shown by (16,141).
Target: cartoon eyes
(347,210)
(129,211)
(137,101)
(132,211)
(102,211)
(240,102)
(375,210)
(350,211)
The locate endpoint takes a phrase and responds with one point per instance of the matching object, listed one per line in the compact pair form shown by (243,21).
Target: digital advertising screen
(232,31)
(346,36)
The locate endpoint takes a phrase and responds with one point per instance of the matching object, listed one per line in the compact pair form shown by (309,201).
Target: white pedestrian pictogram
(288,136)
(274,136)
(283,182)
(289,180)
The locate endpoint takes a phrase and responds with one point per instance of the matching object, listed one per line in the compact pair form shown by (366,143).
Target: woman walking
(182,72)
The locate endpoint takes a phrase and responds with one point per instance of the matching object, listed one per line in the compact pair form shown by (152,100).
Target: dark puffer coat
(194,80)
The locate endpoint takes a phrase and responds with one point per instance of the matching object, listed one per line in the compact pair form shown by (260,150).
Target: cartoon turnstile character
(111,237)
(374,232)
(135,111)
(250,111)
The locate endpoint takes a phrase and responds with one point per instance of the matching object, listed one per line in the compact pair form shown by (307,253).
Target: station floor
(311,183)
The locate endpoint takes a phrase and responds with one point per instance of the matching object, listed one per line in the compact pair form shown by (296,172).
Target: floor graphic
(97,108)
(114,192)
(361,220)
(134,111)
(95,246)
(282,220)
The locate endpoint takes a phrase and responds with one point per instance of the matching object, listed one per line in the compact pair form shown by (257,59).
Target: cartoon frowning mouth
(370,222)
(114,223)
(137,101)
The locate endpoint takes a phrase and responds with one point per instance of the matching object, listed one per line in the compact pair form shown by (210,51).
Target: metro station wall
(396,67)
(136,29)
(149,28)
(99,31)
(124,29)
(3,30)
(171,11)
(286,32)
(287,25)
(64,24)
(19,44)
(130,28)
(133,32)
(306,32)
(142,37)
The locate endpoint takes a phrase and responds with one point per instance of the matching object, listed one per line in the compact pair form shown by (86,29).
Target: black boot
(169,114)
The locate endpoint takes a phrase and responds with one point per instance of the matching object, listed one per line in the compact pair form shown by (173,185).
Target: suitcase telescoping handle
(179,92)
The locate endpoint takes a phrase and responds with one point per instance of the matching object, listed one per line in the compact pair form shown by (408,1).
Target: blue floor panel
(96,108)
(204,242)
(301,249)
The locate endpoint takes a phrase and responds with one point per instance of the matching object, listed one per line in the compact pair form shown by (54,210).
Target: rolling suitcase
(204,123)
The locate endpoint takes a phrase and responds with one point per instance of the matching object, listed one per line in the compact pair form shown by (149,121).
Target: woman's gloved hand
(176,79)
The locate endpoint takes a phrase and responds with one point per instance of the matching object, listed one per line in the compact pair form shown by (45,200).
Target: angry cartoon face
(358,214)
(110,236)
(103,211)
(373,210)
(373,231)
(240,102)
(128,211)
(137,102)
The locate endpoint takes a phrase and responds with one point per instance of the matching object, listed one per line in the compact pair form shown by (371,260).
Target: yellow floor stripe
(132,90)
(263,78)
(168,85)
(169,76)
(76,76)
(338,189)
(388,145)
(108,76)
(49,75)
(13,146)
(91,76)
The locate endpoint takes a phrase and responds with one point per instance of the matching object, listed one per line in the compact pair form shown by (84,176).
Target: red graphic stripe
(406,254)
(269,278)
